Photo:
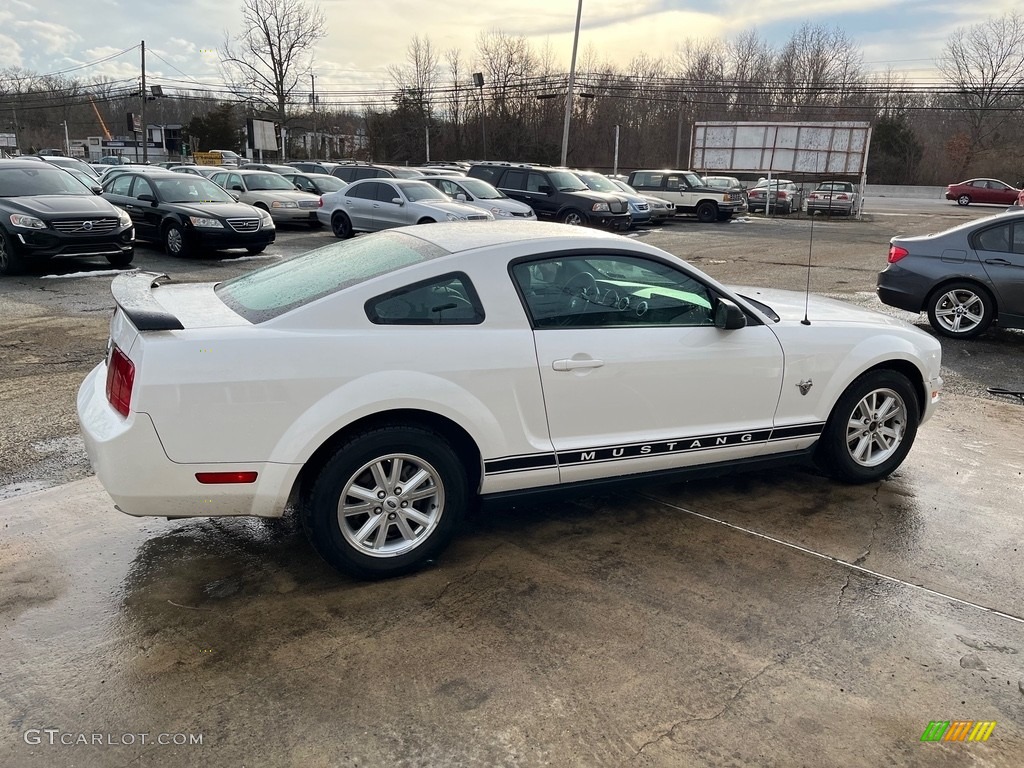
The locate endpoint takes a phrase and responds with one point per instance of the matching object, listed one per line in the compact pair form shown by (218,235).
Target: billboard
(262,135)
(835,149)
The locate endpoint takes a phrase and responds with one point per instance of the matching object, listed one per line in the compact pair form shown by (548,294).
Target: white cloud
(10,52)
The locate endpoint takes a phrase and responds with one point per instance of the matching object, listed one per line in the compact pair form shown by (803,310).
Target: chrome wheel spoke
(863,445)
(364,533)
(403,528)
(396,473)
(382,534)
(363,508)
(416,516)
(359,492)
(378,475)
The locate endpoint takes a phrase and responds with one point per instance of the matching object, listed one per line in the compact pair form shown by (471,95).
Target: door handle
(572,365)
(999,262)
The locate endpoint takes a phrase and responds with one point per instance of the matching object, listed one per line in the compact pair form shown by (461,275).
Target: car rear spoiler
(133,293)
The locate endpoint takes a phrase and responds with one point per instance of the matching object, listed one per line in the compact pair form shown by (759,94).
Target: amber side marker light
(225,478)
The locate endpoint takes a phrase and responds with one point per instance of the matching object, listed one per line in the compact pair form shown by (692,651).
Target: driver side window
(611,292)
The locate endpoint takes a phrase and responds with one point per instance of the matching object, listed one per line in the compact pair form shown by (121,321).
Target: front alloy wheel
(871,429)
(174,241)
(573,218)
(10,262)
(961,310)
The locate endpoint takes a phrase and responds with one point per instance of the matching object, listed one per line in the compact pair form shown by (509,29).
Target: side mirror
(96,190)
(234,196)
(398,201)
(728,316)
(544,189)
(147,199)
(460,196)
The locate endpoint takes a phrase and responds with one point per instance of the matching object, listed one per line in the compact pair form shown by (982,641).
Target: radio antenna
(807,289)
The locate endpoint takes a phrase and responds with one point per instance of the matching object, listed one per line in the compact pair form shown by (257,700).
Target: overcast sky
(364,37)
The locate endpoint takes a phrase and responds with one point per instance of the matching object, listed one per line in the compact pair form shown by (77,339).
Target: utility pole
(67,141)
(572,82)
(312,98)
(145,131)
(478,81)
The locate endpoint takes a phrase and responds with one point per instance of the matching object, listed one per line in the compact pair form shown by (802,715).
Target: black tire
(573,218)
(120,260)
(953,310)
(724,215)
(963,200)
(707,212)
(896,401)
(341,226)
(253,250)
(174,241)
(442,498)
(11,262)
(315,224)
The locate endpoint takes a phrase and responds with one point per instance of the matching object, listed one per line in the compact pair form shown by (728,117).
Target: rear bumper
(903,291)
(132,466)
(294,215)
(824,205)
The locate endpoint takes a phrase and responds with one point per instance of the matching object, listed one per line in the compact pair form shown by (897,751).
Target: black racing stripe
(520,463)
(661,447)
(800,430)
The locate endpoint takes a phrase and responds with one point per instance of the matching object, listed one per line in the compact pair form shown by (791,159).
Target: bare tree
(274,52)
(984,64)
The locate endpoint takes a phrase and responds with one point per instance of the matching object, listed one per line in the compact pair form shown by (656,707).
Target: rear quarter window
(647,179)
(279,288)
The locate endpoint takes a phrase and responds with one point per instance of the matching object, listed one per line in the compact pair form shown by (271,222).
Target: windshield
(25,182)
(566,181)
(189,189)
(693,180)
(279,288)
(416,191)
(597,182)
(624,187)
(481,189)
(257,181)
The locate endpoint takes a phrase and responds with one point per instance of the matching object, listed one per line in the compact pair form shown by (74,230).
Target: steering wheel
(582,289)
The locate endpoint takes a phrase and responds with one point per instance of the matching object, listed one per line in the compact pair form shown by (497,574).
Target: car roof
(466,237)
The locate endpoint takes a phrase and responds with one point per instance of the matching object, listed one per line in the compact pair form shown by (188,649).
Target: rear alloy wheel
(120,260)
(573,218)
(174,241)
(871,429)
(707,212)
(10,262)
(963,200)
(387,502)
(961,310)
(341,226)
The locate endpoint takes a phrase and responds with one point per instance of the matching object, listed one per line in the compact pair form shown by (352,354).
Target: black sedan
(317,183)
(188,213)
(965,278)
(45,212)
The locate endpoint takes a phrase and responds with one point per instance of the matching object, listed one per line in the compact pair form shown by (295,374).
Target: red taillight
(223,478)
(120,378)
(321,203)
(842,196)
(783,195)
(896,253)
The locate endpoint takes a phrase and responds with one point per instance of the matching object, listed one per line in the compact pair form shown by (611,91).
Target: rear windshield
(269,292)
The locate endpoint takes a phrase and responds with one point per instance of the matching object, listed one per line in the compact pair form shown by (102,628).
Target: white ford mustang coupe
(382,382)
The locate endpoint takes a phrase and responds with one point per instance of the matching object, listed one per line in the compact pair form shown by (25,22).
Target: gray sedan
(373,204)
(271,192)
(964,278)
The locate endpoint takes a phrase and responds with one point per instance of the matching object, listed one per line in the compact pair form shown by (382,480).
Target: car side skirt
(803,457)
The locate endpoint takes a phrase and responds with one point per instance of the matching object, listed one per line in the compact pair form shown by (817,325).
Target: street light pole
(67,141)
(572,82)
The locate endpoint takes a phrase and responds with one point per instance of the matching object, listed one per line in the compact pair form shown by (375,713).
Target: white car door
(635,375)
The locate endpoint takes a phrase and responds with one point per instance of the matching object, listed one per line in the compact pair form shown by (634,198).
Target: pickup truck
(689,193)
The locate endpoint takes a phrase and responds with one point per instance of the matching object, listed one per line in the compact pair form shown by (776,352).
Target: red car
(990,191)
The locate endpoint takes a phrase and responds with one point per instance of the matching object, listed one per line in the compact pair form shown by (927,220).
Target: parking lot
(773,618)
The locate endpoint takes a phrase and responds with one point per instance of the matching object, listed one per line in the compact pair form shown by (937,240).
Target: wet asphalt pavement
(768,619)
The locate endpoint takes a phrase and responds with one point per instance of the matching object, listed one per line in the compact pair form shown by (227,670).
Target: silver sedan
(374,204)
(271,192)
